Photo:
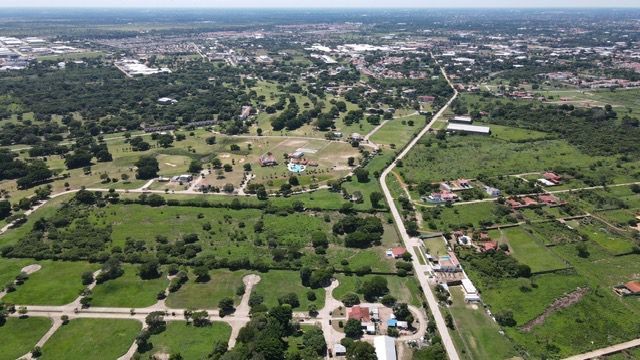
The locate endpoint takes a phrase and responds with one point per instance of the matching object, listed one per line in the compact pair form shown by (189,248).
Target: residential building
(469,129)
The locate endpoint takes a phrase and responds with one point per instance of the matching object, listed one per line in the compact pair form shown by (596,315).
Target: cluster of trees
(28,174)
(596,131)
(360,232)
(495,264)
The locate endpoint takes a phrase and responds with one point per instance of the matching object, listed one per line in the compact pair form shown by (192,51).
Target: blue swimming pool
(296,168)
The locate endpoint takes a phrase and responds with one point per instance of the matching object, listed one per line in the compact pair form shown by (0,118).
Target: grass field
(57,283)
(10,268)
(193,343)
(529,251)
(276,283)
(19,336)
(478,336)
(398,131)
(405,289)
(206,295)
(463,216)
(129,290)
(606,237)
(87,339)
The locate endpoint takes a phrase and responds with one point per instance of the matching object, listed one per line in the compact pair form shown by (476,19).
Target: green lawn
(193,343)
(95,339)
(606,237)
(19,336)
(276,283)
(57,283)
(529,250)
(478,333)
(10,268)
(129,290)
(206,295)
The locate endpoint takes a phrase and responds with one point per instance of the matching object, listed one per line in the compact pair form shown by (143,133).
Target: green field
(476,333)
(129,290)
(19,336)
(462,216)
(10,268)
(529,250)
(193,343)
(405,289)
(206,295)
(87,339)
(57,283)
(276,283)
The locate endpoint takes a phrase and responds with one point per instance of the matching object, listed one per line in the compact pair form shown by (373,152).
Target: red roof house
(360,313)
(398,252)
(553,177)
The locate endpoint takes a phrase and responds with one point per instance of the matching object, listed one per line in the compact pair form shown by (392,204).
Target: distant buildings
(461,120)
(132,67)
(267,160)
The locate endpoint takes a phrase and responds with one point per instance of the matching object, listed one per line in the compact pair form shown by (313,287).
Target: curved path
(410,242)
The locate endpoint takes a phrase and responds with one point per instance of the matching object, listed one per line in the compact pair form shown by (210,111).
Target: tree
(290,298)
(402,312)
(319,239)
(78,159)
(5,209)
(87,278)
(583,252)
(225,306)
(293,180)
(202,273)
(195,167)
(375,198)
(149,269)
(374,287)
(165,140)
(155,322)
(314,340)
(362,175)
(505,318)
(353,328)
(361,350)
(147,167)
(350,299)
(200,318)
(388,300)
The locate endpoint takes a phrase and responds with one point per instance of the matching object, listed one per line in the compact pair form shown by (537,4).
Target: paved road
(410,242)
(605,351)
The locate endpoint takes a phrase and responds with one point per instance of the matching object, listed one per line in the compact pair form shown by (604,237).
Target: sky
(320,3)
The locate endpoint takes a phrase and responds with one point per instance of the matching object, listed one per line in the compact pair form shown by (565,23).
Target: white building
(469,129)
(385,347)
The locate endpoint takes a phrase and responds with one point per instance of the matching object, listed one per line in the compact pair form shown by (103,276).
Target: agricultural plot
(56,283)
(610,239)
(431,162)
(465,216)
(190,342)
(529,250)
(477,334)
(398,131)
(19,336)
(86,339)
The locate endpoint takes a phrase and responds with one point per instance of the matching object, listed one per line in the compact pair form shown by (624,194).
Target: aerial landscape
(384,181)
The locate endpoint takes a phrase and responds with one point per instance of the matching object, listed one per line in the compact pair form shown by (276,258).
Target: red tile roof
(633,286)
(398,251)
(360,313)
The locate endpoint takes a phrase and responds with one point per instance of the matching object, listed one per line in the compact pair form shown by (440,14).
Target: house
(514,203)
(167,101)
(491,245)
(402,324)
(267,160)
(426,99)
(545,182)
(464,240)
(392,323)
(385,347)
(398,252)
(469,129)
(529,201)
(441,198)
(369,328)
(550,200)
(356,137)
(470,291)
(461,120)
(339,349)
(491,191)
(245,112)
(448,263)
(456,185)
(552,177)
(296,155)
(628,288)
(182,178)
(360,313)
(375,314)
